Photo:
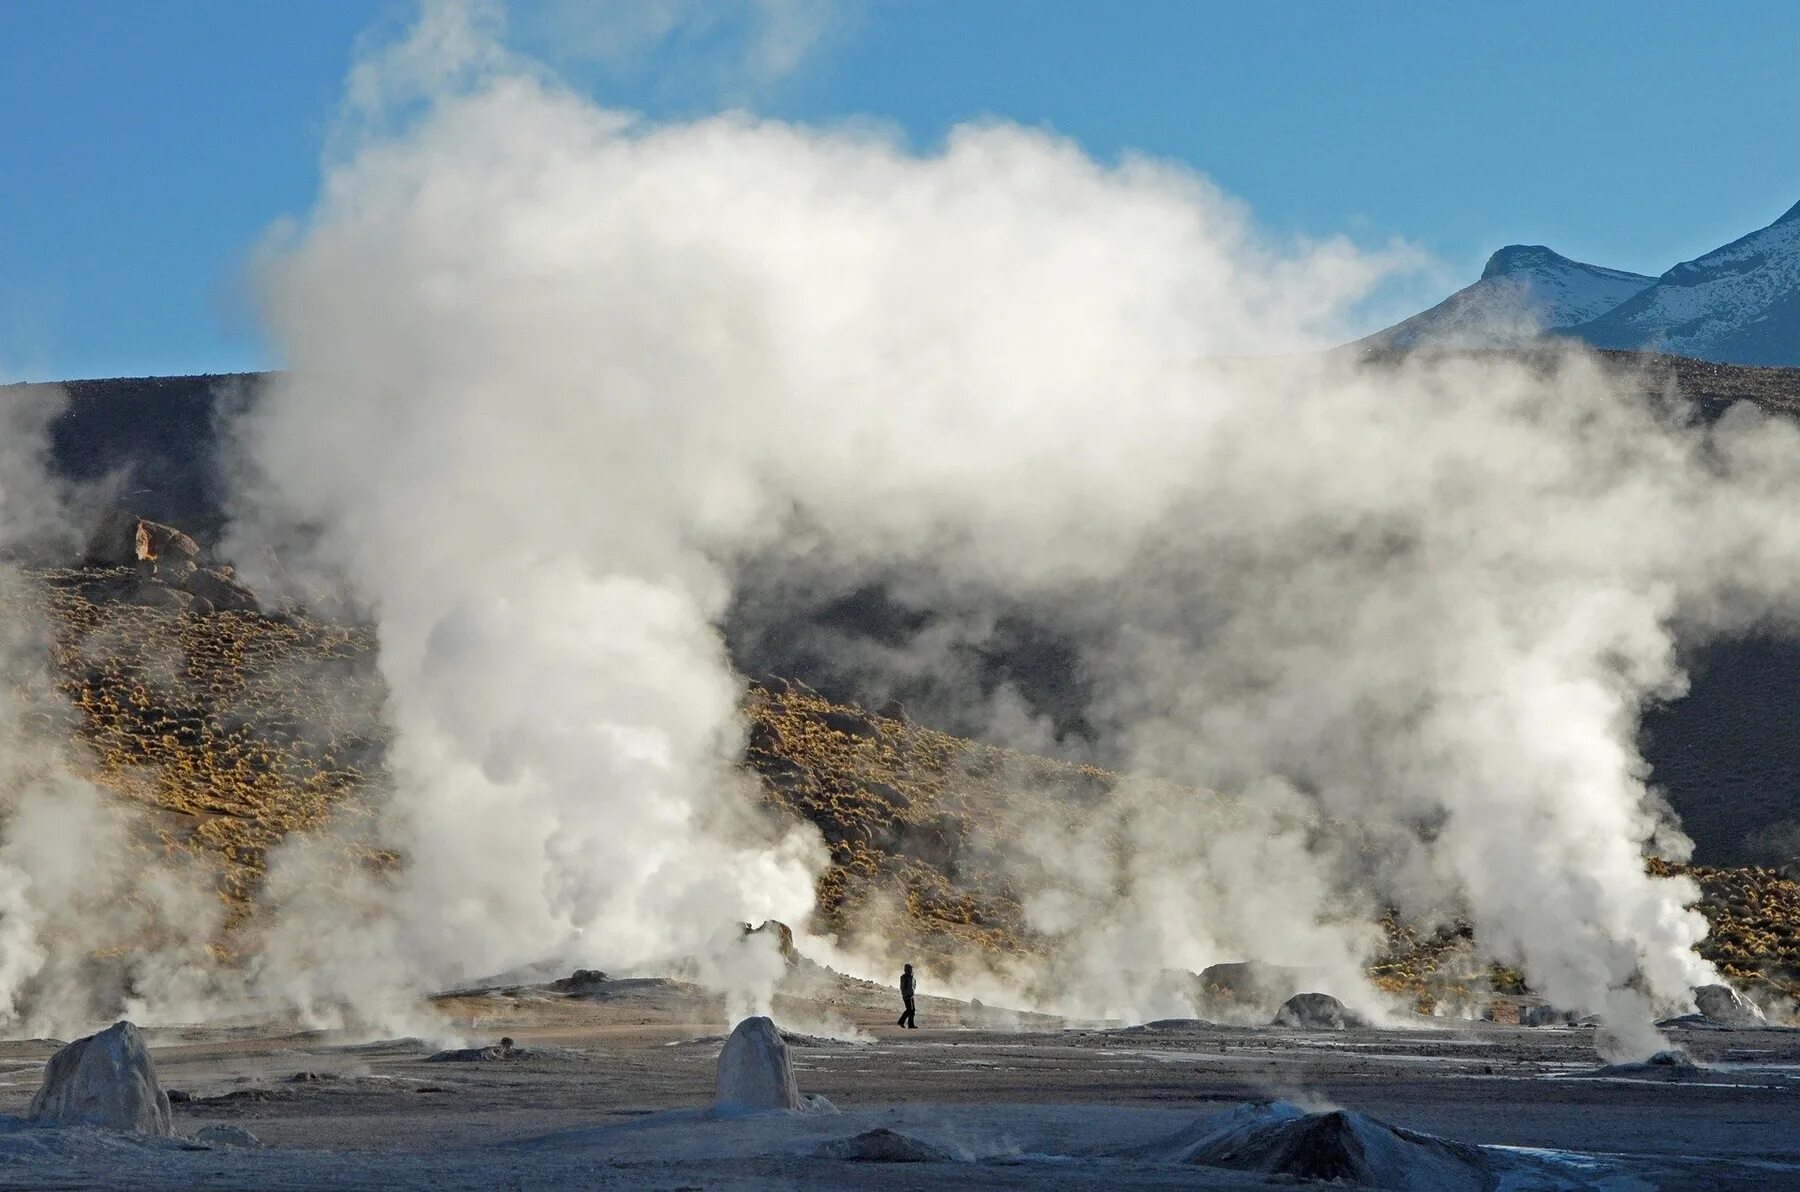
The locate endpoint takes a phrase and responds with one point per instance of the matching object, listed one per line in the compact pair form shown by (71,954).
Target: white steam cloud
(557,375)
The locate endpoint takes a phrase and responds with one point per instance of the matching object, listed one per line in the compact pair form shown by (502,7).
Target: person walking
(906,995)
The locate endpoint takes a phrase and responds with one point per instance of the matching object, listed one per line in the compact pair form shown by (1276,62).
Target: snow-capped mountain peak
(1524,291)
(1739,303)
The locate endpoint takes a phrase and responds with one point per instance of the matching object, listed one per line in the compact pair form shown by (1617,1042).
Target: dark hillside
(160,435)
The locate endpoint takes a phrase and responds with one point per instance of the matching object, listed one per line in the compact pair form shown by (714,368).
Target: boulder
(1722,1003)
(123,539)
(755,1072)
(1283,1140)
(881,1146)
(1314,1012)
(104,1080)
(159,547)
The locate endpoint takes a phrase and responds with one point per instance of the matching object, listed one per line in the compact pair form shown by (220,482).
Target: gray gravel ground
(611,1092)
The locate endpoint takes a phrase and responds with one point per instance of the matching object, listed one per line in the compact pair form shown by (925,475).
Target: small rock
(104,1080)
(881,1146)
(504,1050)
(1664,1065)
(226,1136)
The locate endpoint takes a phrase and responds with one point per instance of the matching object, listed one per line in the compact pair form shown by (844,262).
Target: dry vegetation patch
(235,729)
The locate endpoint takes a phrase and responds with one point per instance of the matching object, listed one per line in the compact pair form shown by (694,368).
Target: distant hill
(1739,304)
(156,437)
(1524,291)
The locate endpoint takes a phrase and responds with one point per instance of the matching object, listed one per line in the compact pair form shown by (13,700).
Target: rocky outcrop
(104,1080)
(170,566)
(123,539)
(755,1073)
(781,933)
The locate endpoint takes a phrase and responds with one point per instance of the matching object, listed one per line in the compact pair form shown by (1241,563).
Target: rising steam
(90,923)
(559,374)
(561,379)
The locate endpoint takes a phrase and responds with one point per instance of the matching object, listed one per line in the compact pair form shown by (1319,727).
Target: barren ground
(614,1089)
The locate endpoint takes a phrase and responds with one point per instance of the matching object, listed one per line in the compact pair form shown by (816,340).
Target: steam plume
(559,376)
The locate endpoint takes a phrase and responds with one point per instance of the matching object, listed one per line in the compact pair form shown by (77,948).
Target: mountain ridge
(1737,304)
(1524,291)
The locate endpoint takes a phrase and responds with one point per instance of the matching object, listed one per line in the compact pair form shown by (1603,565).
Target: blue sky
(146,144)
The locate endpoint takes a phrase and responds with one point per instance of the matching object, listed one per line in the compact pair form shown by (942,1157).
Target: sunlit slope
(232,729)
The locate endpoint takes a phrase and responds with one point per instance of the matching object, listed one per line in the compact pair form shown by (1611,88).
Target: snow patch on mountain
(1739,304)
(1525,290)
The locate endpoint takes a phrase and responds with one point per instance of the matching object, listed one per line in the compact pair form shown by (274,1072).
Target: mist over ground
(567,390)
